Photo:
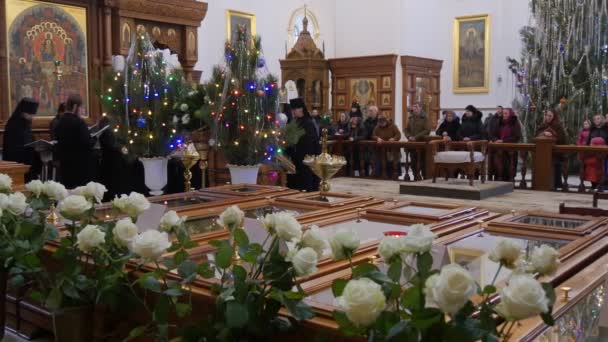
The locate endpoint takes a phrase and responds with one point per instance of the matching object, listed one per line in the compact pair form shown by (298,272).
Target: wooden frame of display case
(508,223)
(452,211)
(261,190)
(580,286)
(306,198)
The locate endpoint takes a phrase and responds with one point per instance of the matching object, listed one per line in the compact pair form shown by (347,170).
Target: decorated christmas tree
(564,62)
(142,99)
(243,103)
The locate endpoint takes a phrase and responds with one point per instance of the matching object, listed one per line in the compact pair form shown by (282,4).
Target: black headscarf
(18,132)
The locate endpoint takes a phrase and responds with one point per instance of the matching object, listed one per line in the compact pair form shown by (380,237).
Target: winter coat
(489,126)
(370,124)
(471,127)
(357,133)
(597,132)
(515,134)
(417,126)
(387,132)
(556,128)
(451,128)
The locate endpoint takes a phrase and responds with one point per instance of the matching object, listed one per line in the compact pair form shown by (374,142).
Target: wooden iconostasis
(367,80)
(82,35)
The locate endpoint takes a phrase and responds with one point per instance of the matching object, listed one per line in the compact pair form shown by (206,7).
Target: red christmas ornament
(260,92)
(272,177)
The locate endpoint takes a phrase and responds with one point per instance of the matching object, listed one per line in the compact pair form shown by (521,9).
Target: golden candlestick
(324,165)
(189,157)
(52,217)
(58,71)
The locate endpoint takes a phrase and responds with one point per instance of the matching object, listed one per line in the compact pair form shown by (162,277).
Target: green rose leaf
(412,298)
(346,326)
(241,237)
(489,289)
(148,282)
(549,292)
(394,271)
(161,310)
(183,309)
(186,269)
(236,315)
(55,298)
(402,331)
(136,332)
(174,292)
(337,287)
(424,262)
(426,318)
(239,272)
(180,256)
(223,258)
(363,269)
(205,270)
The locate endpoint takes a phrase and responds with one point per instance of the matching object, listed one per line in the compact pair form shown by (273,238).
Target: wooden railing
(535,161)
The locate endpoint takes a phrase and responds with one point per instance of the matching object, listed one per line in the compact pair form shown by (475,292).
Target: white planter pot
(244,174)
(155,173)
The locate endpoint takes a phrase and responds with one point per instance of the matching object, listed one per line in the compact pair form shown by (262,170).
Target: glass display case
(426,212)
(328,199)
(541,222)
(250,190)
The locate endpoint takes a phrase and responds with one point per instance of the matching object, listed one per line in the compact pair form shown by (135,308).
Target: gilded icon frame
(479,20)
(230,14)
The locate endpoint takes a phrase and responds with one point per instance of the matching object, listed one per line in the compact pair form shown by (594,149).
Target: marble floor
(519,200)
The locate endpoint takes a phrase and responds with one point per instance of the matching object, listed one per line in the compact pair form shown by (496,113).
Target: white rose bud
(524,297)
(92,191)
(362,301)
(6,183)
(170,220)
(231,218)
(125,231)
(314,239)
(544,260)
(268,222)
(132,205)
(35,187)
(151,244)
(16,203)
(74,207)
(55,191)
(3,201)
(450,289)
(287,227)
(419,239)
(305,261)
(90,237)
(343,244)
(390,248)
(506,252)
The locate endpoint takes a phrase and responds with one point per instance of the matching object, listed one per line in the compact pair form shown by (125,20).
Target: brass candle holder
(324,165)
(189,157)
(52,218)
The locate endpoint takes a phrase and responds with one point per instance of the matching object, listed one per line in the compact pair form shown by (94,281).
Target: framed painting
(364,91)
(235,20)
(471,54)
(386,99)
(341,100)
(47,53)
(341,84)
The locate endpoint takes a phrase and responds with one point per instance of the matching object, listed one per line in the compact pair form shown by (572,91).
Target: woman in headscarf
(553,127)
(448,129)
(308,144)
(18,133)
(471,128)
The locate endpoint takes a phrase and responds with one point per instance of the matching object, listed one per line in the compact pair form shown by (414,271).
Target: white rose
(170,219)
(92,191)
(231,218)
(304,261)
(90,238)
(544,260)
(390,247)
(183,107)
(287,227)
(450,289)
(506,252)
(132,205)
(55,191)
(362,301)
(268,222)
(125,231)
(3,201)
(6,183)
(343,244)
(35,187)
(151,244)
(16,203)
(74,206)
(419,239)
(314,239)
(524,297)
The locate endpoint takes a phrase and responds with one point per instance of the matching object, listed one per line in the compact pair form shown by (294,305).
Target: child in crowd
(593,168)
(583,136)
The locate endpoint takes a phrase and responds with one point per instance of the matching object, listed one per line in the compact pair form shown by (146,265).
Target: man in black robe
(18,133)
(74,146)
(303,179)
